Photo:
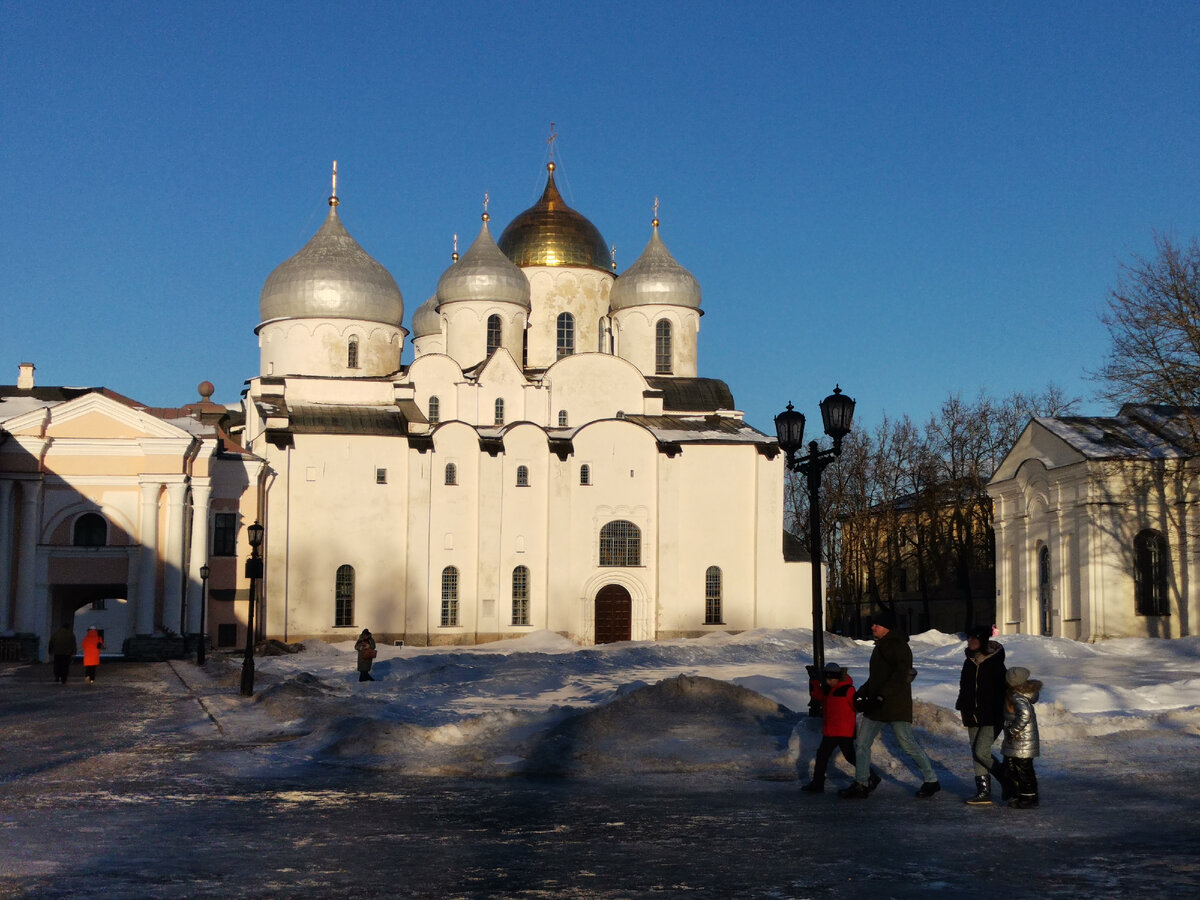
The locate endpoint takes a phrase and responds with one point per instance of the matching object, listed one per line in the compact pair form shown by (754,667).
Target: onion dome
(655,277)
(332,277)
(426,320)
(484,273)
(550,233)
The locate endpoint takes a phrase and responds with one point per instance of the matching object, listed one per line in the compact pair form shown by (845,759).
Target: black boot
(814,787)
(983,792)
(1024,801)
(1008,790)
(928,789)
(856,791)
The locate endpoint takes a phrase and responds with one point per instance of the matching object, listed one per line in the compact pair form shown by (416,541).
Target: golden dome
(550,233)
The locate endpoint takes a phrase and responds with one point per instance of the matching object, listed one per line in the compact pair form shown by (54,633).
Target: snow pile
(731,704)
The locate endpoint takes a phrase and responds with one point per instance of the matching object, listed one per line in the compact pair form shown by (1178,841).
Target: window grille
(451,473)
(435,410)
(520,596)
(1150,574)
(712,596)
(522,476)
(662,347)
(620,544)
(566,335)
(343,590)
(493,334)
(449,596)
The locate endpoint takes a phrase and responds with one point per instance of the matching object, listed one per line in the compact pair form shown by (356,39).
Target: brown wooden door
(614,614)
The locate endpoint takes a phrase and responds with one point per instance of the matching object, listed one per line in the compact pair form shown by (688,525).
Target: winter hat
(885,618)
(1017,675)
(833,671)
(983,634)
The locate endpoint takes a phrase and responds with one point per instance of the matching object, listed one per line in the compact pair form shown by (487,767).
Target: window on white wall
(712,596)
(522,476)
(520,596)
(620,544)
(90,531)
(662,347)
(343,593)
(352,353)
(435,410)
(451,473)
(566,335)
(499,418)
(449,597)
(1150,574)
(585,474)
(493,334)
(562,418)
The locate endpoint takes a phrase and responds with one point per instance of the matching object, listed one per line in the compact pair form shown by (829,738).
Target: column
(147,558)
(174,556)
(201,492)
(31,496)
(6,549)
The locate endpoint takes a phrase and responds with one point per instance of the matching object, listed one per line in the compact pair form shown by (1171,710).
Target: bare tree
(1153,318)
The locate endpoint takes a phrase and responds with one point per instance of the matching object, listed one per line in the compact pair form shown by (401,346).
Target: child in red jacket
(835,692)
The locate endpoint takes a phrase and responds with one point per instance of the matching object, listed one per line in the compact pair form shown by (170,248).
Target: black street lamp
(254,571)
(200,648)
(837,411)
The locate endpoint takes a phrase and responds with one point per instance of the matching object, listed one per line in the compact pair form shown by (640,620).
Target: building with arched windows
(1093,519)
(549,458)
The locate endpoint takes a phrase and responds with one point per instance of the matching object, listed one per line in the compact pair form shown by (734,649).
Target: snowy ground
(538,768)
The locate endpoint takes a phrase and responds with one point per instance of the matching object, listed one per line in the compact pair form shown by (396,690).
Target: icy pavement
(537,768)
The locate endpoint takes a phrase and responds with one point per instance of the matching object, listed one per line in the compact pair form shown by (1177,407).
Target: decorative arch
(641,625)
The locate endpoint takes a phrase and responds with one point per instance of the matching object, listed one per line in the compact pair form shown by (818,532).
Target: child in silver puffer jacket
(1021,736)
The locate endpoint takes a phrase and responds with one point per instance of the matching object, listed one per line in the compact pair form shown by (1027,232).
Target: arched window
(352,353)
(562,418)
(662,347)
(451,473)
(499,418)
(449,596)
(1150,574)
(520,596)
(620,544)
(712,596)
(600,336)
(566,335)
(585,474)
(522,476)
(90,531)
(435,410)
(493,334)
(343,597)
(1044,589)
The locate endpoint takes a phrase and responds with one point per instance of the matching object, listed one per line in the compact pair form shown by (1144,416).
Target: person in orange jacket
(92,645)
(834,690)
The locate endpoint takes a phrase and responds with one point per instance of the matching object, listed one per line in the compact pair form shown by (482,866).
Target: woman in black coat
(981,704)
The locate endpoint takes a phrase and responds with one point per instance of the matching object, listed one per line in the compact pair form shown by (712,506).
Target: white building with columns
(1095,520)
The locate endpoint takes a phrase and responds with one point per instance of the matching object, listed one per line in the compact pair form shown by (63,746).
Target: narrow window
(435,410)
(90,531)
(520,596)
(585,474)
(712,596)
(343,592)
(522,476)
(1150,574)
(493,334)
(566,335)
(99,605)
(449,596)
(600,336)
(224,534)
(499,417)
(562,418)
(381,476)
(662,347)
(352,353)
(451,473)
(620,544)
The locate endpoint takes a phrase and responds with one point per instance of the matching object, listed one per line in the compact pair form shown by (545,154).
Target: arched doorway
(614,614)
(1044,598)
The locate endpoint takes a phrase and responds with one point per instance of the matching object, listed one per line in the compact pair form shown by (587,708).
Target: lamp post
(200,648)
(254,570)
(837,411)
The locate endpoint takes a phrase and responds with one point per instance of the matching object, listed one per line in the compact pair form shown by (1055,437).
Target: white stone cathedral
(549,460)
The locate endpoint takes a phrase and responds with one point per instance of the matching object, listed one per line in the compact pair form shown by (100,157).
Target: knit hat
(884,618)
(1017,675)
(983,634)
(833,671)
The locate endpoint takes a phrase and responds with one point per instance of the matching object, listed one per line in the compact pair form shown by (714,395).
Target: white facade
(527,470)
(1095,531)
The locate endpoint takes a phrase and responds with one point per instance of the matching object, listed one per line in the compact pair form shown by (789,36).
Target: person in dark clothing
(886,699)
(365,645)
(834,690)
(63,648)
(981,704)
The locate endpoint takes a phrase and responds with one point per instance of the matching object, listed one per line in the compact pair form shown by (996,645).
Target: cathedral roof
(332,277)
(484,273)
(655,277)
(550,233)
(426,320)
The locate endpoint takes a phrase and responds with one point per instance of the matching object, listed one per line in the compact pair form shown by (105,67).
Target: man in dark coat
(62,648)
(981,703)
(886,699)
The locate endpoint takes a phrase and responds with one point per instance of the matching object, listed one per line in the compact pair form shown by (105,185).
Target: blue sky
(906,198)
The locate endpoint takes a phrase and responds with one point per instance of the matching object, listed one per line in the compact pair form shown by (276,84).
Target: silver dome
(484,273)
(426,320)
(332,277)
(655,278)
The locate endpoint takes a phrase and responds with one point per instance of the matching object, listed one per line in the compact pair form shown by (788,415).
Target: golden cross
(550,140)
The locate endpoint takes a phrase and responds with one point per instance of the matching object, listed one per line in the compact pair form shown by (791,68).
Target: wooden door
(614,614)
